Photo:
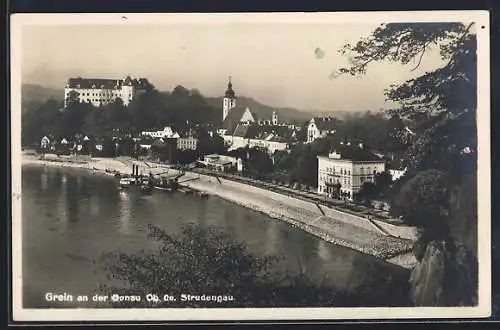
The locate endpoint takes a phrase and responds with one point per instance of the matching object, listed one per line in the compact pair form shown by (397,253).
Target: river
(70,217)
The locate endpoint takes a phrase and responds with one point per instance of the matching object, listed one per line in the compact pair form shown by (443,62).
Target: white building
(320,127)
(253,135)
(397,174)
(350,169)
(103,91)
(187,143)
(220,163)
(166,132)
(45,142)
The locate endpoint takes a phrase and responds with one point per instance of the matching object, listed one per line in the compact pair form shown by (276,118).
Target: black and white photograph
(265,166)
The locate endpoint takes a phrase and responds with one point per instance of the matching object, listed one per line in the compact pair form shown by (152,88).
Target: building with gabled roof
(252,134)
(320,127)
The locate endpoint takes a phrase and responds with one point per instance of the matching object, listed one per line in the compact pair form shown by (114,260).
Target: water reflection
(44,179)
(72,202)
(94,205)
(202,212)
(272,238)
(324,250)
(125,213)
(79,183)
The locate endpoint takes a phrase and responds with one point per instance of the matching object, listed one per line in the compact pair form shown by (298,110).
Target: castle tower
(127,92)
(275,118)
(229,100)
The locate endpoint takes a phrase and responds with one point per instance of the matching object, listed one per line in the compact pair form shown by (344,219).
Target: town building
(104,91)
(45,143)
(220,163)
(343,172)
(250,134)
(320,127)
(166,132)
(397,174)
(145,142)
(187,143)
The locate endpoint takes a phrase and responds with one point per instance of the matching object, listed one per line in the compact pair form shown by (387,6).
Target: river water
(70,217)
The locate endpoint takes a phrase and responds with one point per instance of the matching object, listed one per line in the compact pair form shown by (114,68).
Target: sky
(275,64)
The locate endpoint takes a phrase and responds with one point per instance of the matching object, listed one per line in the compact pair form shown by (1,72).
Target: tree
(73,97)
(302,132)
(368,191)
(438,98)
(423,200)
(283,160)
(40,121)
(108,147)
(441,105)
(259,163)
(207,261)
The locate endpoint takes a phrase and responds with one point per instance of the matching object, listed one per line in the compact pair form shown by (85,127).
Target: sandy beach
(333,227)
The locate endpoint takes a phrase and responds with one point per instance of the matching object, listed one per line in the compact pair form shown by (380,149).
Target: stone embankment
(382,240)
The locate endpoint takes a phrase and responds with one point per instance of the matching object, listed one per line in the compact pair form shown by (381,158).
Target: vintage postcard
(270,166)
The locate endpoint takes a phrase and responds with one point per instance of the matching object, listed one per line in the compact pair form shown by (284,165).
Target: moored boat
(126,182)
(145,188)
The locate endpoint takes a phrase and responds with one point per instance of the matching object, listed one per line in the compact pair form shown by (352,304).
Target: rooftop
(99,83)
(326,123)
(353,153)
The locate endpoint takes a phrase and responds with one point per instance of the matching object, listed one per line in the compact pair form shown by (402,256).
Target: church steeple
(229,101)
(229,91)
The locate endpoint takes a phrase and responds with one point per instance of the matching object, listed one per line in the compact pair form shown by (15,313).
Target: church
(240,127)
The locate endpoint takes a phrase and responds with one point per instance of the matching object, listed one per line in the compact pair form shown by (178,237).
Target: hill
(264,111)
(37,93)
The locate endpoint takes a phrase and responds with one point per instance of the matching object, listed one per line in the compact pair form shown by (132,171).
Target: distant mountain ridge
(36,93)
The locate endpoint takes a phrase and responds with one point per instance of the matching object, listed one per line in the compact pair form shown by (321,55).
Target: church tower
(275,118)
(229,100)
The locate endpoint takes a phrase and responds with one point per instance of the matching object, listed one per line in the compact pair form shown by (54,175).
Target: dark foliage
(205,260)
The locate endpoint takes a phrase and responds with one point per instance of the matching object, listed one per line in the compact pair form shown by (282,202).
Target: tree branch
(422,52)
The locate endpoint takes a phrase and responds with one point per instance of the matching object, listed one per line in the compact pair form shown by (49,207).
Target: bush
(204,260)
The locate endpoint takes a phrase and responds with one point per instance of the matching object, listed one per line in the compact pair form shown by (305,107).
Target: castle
(103,91)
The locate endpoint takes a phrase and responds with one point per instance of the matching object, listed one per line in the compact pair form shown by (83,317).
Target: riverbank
(325,223)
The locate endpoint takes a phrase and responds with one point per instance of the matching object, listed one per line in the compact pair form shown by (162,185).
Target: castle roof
(89,83)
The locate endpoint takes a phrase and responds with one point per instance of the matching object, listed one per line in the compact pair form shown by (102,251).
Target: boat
(145,188)
(165,184)
(126,182)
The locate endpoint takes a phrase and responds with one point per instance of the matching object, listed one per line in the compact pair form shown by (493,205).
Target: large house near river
(344,170)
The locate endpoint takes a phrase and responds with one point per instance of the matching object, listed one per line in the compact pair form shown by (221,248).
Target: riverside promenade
(382,240)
